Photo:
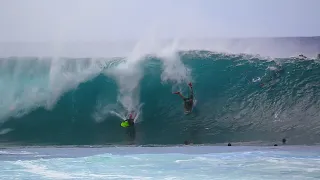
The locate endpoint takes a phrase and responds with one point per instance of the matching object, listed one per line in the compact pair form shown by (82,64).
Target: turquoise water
(244,99)
(71,101)
(193,162)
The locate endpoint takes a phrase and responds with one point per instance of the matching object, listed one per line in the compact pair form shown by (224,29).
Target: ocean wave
(239,98)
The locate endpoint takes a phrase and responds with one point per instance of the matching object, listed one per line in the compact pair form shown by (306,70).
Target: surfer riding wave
(188,101)
(129,122)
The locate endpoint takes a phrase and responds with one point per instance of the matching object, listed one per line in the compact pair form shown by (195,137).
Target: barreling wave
(239,98)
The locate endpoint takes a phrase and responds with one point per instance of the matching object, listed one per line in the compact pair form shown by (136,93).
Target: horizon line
(166,39)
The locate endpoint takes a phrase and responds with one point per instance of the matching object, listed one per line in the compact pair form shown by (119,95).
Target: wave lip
(271,46)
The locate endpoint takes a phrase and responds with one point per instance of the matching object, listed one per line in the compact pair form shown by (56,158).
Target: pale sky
(104,20)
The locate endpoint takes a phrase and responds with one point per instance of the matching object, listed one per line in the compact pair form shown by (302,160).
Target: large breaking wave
(239,98)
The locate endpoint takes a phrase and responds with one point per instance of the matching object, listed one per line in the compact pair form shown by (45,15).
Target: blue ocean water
(58,113)
(81,101)
(188,162)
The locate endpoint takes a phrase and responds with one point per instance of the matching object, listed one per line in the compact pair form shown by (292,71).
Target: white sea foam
(224,163)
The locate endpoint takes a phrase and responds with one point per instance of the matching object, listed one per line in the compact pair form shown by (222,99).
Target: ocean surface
(61,109)
(82,101)
(167,163)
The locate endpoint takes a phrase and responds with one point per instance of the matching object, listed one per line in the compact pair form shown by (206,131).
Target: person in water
(188,101)
(130,120)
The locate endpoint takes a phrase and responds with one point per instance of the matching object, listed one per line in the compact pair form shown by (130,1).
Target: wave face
(239,98)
